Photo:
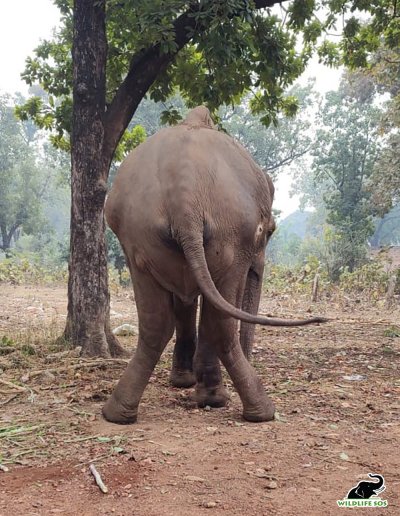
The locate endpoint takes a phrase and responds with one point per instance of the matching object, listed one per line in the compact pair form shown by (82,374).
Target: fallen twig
(9,399)
(18,430)
(13,386)
(98,479)
(73,367)
(80,439)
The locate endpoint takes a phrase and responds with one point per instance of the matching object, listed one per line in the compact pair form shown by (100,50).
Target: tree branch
(288,159)
(144,69)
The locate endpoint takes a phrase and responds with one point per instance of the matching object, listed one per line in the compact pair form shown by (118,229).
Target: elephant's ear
(360,491)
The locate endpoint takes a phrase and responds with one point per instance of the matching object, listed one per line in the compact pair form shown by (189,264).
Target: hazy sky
(23,23)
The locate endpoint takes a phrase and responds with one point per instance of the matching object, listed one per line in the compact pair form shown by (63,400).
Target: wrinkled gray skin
(192,211)
(365,490)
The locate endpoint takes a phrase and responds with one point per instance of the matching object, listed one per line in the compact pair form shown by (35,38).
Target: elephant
(192,212)
(365,489)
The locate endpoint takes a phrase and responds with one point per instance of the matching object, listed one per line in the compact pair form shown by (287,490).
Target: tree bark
(88,295)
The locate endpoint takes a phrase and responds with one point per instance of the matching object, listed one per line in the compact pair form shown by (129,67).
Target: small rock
(271,485)
(193,478)
(126,329)
(209,505)
(261,473)
(48,377)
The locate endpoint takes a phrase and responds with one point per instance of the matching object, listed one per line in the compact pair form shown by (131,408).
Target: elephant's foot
(212,396)
(182,379)
(115,412)
(261,412)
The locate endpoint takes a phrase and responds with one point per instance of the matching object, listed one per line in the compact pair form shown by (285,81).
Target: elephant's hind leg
(182,374)
(156,326)
(221,333)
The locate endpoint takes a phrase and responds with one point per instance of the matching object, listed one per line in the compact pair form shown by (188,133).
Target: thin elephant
(192,211)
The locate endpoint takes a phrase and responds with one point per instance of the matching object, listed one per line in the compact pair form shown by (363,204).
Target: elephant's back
(188,170)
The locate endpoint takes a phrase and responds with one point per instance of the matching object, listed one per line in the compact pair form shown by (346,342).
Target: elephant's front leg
(182,374)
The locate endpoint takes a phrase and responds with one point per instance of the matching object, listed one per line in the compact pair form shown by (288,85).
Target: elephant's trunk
(194,253)
(379,484)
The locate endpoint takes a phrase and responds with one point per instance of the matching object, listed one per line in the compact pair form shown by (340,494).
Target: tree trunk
(88,296)
(6,238)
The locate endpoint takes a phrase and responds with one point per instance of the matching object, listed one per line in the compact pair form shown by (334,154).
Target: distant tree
(281,143)
(345,153)
(385,72)
(22,184)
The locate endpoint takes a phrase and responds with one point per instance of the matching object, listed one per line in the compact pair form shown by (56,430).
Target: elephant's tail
(194,253)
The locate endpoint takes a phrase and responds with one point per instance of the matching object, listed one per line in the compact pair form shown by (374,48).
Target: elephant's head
(377,486)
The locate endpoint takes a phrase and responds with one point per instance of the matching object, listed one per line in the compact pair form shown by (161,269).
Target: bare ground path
(336,388)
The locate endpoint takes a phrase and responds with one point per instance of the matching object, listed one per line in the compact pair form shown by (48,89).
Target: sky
(24,23)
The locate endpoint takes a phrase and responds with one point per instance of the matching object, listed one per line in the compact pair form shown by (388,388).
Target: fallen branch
(98,479)
(14,386)
(80,439)
(9,399)
(73,367)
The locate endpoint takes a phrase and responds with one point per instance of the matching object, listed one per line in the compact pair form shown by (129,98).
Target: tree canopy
(214,52)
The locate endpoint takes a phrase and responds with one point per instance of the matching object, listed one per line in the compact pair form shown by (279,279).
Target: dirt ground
(336,388)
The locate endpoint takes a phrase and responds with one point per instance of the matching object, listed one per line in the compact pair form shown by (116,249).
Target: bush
(370,278)
(280,279)
(24,268)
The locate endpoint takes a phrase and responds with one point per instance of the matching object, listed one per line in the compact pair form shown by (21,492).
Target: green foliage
(235,49)
(392,332)
(238,48)
(116,258)
(22,182)
(294,279)
(22,268)
(6,341)
(130,139)
(371,278)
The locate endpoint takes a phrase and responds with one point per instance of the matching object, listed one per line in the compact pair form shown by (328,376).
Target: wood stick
(13,386)
(98,479)
(315,286)
(9,399)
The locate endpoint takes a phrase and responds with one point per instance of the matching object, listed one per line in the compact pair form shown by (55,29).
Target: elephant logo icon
(365,490)
(365,493)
